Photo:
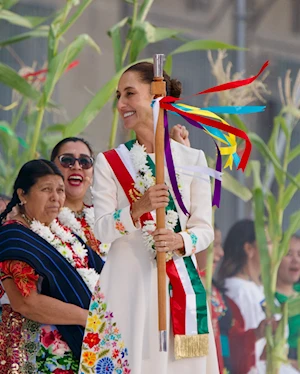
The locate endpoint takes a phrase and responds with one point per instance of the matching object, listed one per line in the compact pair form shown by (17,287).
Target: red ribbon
(221,87)
(72,65)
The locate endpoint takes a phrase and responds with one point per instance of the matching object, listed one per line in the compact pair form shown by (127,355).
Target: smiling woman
(123,313)
(74,158)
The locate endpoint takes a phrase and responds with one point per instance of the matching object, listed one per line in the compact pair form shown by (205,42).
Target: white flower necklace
(68,219)
(145,180)
(66,243)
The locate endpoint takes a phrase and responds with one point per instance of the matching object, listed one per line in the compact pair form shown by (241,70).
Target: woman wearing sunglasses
(75,159)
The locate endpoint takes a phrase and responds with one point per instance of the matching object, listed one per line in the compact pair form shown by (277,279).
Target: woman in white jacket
(121,334)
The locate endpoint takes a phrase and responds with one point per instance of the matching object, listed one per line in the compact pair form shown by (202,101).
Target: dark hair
(145,71)
(55,150)
(27,177)
(235,257)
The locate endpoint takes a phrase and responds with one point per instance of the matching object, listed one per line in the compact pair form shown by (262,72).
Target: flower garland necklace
(145,180)
(66,243)
(68,219)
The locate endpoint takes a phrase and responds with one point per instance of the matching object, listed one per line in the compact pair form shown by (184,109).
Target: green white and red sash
(187,294)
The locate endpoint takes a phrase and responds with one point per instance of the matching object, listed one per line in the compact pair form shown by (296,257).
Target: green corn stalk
(32,101)
(269,211)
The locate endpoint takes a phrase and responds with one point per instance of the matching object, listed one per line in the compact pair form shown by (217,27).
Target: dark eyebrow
(126,89)
(72,154)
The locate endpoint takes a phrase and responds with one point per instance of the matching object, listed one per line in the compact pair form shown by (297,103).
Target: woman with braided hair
(48,274)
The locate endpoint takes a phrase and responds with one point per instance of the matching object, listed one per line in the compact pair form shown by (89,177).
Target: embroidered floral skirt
(30,348)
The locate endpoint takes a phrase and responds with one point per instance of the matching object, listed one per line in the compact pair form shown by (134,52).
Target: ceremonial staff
(158,89)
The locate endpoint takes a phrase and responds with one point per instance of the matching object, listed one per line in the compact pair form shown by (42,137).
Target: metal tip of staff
(158,64)
(163,341)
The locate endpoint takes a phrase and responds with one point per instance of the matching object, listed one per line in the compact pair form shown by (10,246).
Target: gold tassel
(186,346)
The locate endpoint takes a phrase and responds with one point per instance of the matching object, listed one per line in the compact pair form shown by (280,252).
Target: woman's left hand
(167,240)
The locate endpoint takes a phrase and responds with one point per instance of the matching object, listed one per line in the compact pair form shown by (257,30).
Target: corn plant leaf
(55,27)
(12,79)
(7,4)
(60,62)
(144,33)
(3,169)
(294,226)
(144,10)
(267,154)
(295,152)
(40,32)
(293,306)
(261,239)
(197,45)
(272,144)
(79,10)
(290,192)
(274,227)
(169,64)
(22,142)
(115,35)
(5,127)
(232,185)
(16,19)
(235,119)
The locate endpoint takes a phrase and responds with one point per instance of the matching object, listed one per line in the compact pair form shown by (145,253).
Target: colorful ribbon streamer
(215,126)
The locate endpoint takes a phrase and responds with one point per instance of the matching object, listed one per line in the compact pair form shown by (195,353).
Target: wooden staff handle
(158,88)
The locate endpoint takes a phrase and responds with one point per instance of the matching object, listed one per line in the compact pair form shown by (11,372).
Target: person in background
(239,275)
(288,275)
(48,274)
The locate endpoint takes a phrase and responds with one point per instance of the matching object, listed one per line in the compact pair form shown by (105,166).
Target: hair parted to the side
(235,257)
(56,149)
(146,73)
(28,176)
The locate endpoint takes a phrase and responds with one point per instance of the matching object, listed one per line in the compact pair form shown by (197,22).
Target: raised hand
(180,134)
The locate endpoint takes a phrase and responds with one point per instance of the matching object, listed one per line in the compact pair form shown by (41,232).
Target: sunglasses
(67,161)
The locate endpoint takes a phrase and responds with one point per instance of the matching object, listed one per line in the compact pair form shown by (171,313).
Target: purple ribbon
(217,191)
(171,167)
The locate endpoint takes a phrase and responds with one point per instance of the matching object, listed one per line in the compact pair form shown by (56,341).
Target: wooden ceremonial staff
(158,89)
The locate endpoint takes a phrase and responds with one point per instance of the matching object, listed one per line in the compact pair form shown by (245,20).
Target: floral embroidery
(118,224)
(24,276)
(194,240)
(92,339)
(103,351)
